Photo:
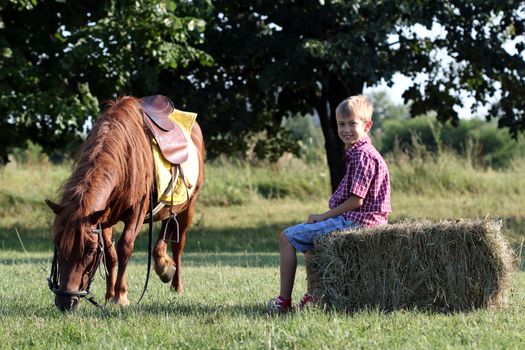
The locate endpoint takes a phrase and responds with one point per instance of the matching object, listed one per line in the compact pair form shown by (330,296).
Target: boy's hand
(315,218)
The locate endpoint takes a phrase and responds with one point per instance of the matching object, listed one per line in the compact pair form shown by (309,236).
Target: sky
(402,83)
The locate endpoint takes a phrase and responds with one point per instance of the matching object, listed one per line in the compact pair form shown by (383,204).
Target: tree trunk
(334,91)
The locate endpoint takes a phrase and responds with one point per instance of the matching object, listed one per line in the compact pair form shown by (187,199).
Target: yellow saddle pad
(190,168)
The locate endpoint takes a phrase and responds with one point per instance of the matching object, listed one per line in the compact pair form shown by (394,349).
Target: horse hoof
(167,275)
(119,301)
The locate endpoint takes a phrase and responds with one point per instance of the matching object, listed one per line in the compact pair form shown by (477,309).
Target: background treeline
(425,157)
(483,144)
(246,66)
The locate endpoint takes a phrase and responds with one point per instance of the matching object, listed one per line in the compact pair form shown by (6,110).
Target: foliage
(232,182)
(31,154)
(59,59)
(279,58)
(482,143)
(386,109)
(244,66)
(306,130)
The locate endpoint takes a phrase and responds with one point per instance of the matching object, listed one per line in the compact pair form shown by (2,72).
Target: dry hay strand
(446,266)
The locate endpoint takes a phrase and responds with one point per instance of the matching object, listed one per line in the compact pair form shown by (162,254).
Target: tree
(58,59)
(271,59)
(278,58)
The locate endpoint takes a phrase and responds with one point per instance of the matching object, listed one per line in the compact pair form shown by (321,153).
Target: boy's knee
(283,238)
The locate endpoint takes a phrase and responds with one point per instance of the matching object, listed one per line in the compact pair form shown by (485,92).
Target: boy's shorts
(302,236)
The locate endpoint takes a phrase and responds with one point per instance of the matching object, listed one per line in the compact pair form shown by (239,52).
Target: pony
(111,182)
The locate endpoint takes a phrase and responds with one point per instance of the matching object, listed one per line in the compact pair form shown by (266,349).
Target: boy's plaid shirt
(367,177)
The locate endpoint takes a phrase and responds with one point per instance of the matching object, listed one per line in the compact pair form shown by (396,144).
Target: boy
(361,199)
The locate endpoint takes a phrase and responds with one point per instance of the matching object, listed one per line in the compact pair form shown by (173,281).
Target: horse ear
(56,208)
(95,216)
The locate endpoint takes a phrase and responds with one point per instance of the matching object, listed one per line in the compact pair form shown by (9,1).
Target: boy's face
(351,128)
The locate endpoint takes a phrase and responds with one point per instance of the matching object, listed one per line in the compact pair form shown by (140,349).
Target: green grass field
(231,266)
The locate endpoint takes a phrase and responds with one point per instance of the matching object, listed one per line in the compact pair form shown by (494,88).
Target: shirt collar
(359,143)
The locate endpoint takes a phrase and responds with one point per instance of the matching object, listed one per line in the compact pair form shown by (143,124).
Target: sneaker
(307,301)
(279,305)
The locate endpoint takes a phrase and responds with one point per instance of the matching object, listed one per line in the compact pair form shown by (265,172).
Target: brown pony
(111,182)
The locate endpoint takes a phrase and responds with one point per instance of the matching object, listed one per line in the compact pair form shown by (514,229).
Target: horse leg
(164,266)
(177,248)
(125,247)
(110,256)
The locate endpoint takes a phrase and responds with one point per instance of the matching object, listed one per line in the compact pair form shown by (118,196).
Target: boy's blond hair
(358,105)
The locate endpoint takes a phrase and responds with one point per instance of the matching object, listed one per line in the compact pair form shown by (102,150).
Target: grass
(224,307)
(231,266)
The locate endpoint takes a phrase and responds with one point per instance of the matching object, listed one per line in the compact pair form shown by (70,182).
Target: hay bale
(445,266)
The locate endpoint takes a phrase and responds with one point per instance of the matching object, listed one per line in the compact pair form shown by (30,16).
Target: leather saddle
(169,136)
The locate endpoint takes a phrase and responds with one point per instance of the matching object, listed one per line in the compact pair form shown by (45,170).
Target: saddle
(169,136)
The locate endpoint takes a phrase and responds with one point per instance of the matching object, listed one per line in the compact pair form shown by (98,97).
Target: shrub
(482,143)
(32,154)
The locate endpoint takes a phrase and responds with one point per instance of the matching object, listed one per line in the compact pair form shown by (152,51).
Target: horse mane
(113,173)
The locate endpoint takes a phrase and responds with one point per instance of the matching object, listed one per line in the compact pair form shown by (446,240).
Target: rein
(54,276)
(150,239)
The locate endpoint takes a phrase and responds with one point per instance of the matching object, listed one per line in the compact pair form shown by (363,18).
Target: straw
(446,266)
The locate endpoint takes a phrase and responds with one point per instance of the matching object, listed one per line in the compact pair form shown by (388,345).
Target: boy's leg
(299,237)
(288,266)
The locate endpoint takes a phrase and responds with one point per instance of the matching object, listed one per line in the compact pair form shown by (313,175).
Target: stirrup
(172,217)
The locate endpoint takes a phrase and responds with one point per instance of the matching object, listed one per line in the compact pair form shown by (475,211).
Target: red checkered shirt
(367,177)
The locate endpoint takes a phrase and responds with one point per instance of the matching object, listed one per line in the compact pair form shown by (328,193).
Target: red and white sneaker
(307,301)
(279,305)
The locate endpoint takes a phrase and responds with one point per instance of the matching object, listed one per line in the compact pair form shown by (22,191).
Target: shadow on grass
(248,247)
(27,261)
(262,238)
(199,239)
(195,259)
(31,239)
(212,313)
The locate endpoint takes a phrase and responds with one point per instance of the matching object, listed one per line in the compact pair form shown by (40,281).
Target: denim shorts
(302,236)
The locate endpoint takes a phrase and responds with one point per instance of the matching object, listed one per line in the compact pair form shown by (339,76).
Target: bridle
(54,276)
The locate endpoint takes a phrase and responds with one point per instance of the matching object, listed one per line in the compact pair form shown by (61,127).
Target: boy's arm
(352,203)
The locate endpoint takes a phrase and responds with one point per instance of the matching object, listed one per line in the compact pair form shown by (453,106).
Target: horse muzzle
(67,303)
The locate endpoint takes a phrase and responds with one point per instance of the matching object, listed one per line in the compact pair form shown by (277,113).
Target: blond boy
(361,199)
